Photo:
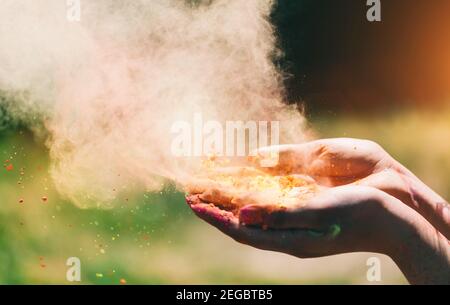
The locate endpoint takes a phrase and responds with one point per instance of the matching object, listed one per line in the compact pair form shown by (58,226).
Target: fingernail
(197,209)
(191,199)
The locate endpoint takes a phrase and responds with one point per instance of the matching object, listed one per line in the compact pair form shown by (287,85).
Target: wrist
(424,200)
(419,250)
(427,202)
(398,225)
(423,255)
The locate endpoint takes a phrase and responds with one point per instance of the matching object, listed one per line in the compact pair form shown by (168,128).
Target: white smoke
(108,88)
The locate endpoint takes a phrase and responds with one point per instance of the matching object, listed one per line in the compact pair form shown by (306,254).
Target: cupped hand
(340,161)
(339,220)
(369,202)
(345,161)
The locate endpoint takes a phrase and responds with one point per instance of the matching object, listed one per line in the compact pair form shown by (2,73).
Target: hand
(339,220)
(335,162)
(362,211)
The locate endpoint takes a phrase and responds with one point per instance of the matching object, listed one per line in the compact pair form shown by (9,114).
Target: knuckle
(373,146)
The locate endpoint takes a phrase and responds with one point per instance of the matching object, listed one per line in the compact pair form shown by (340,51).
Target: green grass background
(154,238)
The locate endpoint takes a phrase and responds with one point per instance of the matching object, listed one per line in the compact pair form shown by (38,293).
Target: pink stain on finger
(209,211)
(252,215)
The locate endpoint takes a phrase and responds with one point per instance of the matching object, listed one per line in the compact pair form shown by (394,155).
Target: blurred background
(387,81)
(341,62)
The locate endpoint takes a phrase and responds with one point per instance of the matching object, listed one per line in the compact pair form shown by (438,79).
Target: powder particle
(41,262)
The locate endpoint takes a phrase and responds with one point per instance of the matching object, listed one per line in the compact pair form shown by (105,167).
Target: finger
(229,225)
(219,196)
(343,160)
(213,215)
(346,159)
(310,214)
(391,182)
(297,242)
(318,213)
(255,205)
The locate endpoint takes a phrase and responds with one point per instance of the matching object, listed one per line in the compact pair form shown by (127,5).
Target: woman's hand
(339,220)
(342,161)
(369,206)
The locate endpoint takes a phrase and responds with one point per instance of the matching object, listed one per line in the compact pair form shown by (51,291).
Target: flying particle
(41,262)
(9,167)
(122,281)
(44,199)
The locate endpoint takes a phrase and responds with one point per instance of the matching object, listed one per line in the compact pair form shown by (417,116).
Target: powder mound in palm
(231,188)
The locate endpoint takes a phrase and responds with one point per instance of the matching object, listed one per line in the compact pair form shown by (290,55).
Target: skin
(370,203)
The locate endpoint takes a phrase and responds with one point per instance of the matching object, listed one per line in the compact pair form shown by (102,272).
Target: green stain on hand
(334,230)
